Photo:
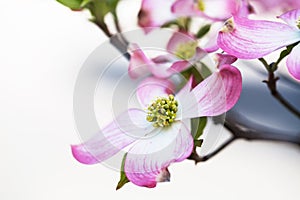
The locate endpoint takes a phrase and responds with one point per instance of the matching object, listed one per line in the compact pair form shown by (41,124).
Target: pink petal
(211,45)
(124,130)
(293,62)
(155,13)
(225,59)
(177,39)
(139,63)
(147,159)
(215,95)
(151,88)
(292,18)
(188,8)
(249,39)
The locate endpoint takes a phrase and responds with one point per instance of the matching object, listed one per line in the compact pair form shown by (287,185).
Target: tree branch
(194,156)
(271,83)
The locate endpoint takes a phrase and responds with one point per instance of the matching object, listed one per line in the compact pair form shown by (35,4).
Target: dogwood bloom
(250,39)
(159,133)
(270,5)
(182,50)
(155,13)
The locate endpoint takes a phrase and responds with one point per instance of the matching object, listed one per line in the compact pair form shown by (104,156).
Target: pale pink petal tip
(82,156)
(139,63)
(292,18)
(223,59)
(293,62)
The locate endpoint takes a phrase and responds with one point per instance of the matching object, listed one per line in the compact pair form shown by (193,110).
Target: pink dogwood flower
(251,39)
(159,133)
(270,5)
(213,10)
(182,50)
(155,13)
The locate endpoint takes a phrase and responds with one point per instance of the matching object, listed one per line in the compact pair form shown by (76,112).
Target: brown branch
(194,156)
(271,83)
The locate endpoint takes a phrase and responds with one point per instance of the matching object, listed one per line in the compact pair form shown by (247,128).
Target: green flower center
(201,5)
(298,23)
(162,112)
(186,50)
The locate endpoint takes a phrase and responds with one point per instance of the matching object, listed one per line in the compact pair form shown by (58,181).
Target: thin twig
(271,83)
(194,156)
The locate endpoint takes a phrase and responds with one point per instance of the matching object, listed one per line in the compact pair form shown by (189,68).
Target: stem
(104,28)
(271,83)
(194,156)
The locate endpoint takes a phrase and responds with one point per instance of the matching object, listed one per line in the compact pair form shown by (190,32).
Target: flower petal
(124,130)
(151,88)
(177,39)
(224,59)
(148,158)
(215,95)
(155,13)
(139,63)
(292,18)
(293,62)
(249,39)
(189,8)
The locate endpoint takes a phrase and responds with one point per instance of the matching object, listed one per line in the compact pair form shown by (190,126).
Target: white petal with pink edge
(124,130)
(215,95)
(250,39)
(293,62)
(148,158)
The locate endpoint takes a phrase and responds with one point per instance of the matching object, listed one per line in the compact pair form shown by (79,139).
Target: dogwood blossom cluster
(158,132)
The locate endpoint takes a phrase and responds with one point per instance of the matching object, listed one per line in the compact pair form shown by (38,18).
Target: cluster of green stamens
(201,5)
(186,50)
(162,112)
(298,23)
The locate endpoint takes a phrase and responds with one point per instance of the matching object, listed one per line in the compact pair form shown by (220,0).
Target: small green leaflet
(203,31)
(73,4)
(198,125)
(123,179)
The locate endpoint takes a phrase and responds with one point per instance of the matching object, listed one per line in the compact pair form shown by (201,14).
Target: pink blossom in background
(154,13)
(155,144)
(273,5)
(214,10)
(251,39)
(182,52)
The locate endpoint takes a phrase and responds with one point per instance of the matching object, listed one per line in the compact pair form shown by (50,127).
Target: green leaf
(169,24)
(123,178)
(198,125)
(203,31)
(85,2)
(73,4)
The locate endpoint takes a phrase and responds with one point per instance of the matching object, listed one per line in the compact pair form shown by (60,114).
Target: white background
(42,48)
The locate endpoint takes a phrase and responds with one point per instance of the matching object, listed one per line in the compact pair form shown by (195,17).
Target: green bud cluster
(298,23)
(162,112)
(186,50)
